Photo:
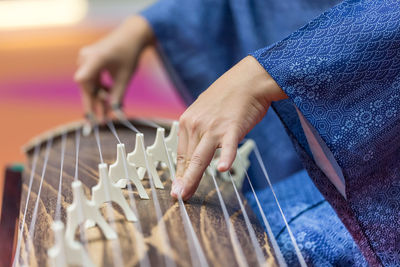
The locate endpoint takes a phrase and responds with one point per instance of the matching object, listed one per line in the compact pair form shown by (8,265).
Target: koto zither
(103,199)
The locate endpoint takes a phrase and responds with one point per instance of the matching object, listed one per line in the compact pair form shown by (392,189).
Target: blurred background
(39,43)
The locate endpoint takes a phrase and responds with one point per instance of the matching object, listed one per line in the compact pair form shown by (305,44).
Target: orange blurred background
(37,63)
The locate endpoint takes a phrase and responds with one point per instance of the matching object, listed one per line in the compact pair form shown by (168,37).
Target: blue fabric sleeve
(193,36)
(342,70)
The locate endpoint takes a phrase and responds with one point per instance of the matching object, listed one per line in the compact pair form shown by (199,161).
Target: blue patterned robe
(342,71)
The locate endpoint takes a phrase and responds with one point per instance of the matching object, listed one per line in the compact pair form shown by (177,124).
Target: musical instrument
(214,228)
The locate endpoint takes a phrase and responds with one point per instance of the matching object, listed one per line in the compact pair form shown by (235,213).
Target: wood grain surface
(204,210)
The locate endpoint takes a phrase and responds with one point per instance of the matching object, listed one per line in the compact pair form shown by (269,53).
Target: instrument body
(203,208)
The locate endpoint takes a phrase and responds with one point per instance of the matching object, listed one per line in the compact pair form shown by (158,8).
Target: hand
(220,118)
(118,54)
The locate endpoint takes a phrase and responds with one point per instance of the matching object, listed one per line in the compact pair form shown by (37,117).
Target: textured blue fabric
(321,236)
(342,70)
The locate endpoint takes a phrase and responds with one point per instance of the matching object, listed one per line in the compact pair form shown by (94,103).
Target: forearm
(137,30)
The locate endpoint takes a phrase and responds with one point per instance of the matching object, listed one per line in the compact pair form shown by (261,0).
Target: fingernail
(177,188)
(222,165)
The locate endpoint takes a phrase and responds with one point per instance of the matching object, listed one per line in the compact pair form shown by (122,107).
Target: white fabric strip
(323,156)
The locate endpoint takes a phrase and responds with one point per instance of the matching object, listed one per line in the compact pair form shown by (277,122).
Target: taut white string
(187,223)
(77,144)
(239,255)
(80,211)
(271,236)
(256,245)
(188,227)
(21,228)
(296,247)
(129,125)
(97,137)
(166,243)
(139,240)
(117,253)
(57,215)
(157,207)
(148,123)
(111,126)
(36,208)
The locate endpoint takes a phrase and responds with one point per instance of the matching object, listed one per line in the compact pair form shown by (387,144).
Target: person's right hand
(117,54)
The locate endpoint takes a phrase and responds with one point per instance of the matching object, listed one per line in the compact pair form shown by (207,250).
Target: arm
(321,67)
(220,118)
(118,54)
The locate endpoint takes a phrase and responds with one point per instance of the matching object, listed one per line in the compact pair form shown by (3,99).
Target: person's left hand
(220,118)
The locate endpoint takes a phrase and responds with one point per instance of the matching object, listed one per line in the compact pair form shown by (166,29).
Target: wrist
(265,87)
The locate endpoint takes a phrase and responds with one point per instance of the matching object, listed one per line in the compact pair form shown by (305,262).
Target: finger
(87,76)
(121,81)
(181,152)
(118,112)
(88,99)
(193,141)
(103,105)
(200,160)
(228,154)
(88,72)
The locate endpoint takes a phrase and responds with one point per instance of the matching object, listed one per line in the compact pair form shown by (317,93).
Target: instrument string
(82,234)
(239,255)
(194,245)
(117,252)
(128,125)
(145,261)
(271,236)
(21,227)
(77,144)
(253,238)
(157,207)
(97,137)
(148,123)
(293,239)
(111,126)
(188,226)
(57,216)
(36,208)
